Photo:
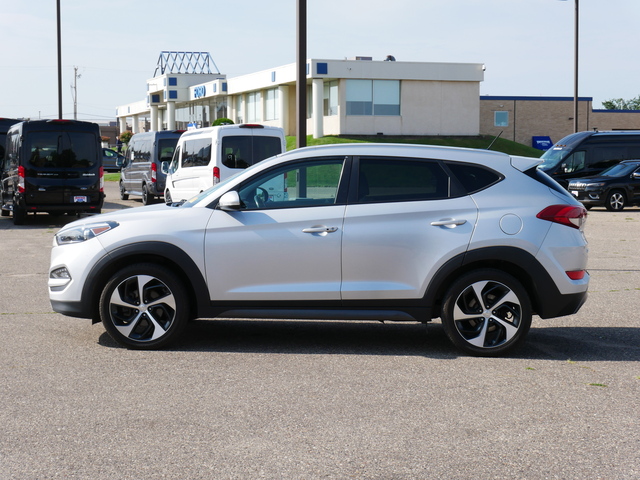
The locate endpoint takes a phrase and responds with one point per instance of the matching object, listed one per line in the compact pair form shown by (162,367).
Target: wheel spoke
(480,340)
(509,329)
(129,327)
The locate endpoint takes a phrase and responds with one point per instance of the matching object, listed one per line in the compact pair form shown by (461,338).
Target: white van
(205,156)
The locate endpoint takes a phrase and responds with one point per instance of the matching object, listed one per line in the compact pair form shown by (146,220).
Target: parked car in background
(111,160)
(52,166)
(589,153)
(142,172)
(615,188)
(206,156)
(481,239)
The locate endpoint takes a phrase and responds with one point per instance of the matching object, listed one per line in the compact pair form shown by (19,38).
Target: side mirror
(120,162)
(230,202)
(636,175)
(164,167)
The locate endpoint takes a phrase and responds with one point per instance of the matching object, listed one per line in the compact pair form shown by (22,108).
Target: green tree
(622,104)
(126,136)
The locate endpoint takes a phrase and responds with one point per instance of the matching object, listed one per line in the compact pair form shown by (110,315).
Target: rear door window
(401,180)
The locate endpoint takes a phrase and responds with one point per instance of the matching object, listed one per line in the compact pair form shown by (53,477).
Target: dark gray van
(52,166)
(589,153)
(141,173)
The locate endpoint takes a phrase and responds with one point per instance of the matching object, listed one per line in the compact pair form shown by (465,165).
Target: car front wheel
(616,201)
(486,312)
(144,306)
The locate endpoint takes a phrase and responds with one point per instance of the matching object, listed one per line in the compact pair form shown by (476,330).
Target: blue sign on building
(199,91)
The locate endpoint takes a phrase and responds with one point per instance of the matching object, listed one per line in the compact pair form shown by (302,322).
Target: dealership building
(358,96)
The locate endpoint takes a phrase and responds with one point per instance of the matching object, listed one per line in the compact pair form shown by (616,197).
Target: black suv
(615,188)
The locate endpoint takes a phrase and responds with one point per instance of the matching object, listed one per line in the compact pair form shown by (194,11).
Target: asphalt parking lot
(331,400)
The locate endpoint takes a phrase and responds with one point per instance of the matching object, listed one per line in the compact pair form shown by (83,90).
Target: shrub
(222,121)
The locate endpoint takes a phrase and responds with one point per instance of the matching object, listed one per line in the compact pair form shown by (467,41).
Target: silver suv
(481,239)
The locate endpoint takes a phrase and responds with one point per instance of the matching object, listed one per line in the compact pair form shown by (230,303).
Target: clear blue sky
(526,45)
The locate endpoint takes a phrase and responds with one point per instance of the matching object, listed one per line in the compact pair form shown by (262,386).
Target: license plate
(574,193)
(80,199)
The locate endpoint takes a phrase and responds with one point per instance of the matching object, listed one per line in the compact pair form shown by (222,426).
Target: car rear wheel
(123,192)
(486,312)
(144,306)
(147,198)
(19,213)
(616,201)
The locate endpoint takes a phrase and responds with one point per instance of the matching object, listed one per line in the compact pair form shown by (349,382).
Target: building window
(501,119)
(254,107)
(373,97)
(271,110)
(239,109)
(330,99)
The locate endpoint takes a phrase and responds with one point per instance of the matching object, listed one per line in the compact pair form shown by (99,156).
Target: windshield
(553,157)
(619,170)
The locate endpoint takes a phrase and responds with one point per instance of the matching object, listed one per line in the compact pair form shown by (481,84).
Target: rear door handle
(448,222)
(320,229)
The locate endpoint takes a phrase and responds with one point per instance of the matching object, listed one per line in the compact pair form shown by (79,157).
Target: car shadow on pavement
(311,337)
(370,338)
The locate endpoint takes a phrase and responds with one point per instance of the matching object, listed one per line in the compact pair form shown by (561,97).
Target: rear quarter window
(473,178)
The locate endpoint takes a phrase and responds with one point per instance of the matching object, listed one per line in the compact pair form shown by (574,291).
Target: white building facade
(344,97)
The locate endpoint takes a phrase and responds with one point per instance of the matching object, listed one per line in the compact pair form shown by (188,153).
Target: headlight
(82,233)
(594,186)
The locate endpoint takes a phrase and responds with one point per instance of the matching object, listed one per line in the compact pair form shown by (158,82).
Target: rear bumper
(63,207)
(560,305)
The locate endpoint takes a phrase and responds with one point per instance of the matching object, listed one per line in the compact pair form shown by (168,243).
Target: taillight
(101,179)
(216,175)
(569,215)
(154,173)
(21,179)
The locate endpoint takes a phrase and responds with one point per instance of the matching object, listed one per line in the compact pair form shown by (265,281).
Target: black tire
(147,198)
(167,196)
(494,326)
(19,214)
(161,318)
(123,194)
(5,213)
(616,201)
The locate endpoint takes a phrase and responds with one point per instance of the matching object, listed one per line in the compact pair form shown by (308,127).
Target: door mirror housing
(230,202)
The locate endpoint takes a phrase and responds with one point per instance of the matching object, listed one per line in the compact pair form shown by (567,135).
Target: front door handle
(320,229)
(449,223)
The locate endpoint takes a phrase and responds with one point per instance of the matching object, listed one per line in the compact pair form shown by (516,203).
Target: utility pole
(301,74)
(74,87)
(59,63)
